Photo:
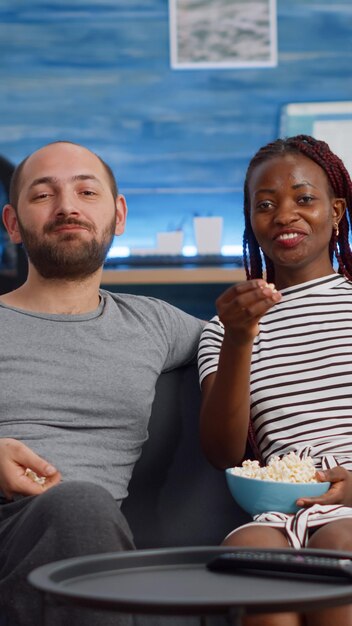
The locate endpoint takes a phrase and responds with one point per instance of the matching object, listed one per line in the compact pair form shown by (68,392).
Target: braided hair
(340,183)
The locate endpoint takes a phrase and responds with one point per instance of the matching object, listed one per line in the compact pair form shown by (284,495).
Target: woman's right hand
(241,306)
(15,458)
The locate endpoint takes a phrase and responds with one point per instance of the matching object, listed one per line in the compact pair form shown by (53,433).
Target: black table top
(176,581)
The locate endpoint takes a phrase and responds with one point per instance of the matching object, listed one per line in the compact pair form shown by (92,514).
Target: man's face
(66,214)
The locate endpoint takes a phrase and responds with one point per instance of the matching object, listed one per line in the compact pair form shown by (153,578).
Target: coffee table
(176,582)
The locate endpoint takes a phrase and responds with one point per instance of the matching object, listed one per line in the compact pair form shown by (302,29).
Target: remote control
(294,563)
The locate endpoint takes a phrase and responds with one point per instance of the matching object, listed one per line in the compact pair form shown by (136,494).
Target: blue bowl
(260,496)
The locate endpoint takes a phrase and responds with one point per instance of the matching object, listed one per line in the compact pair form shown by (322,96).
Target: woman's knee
(257,537)
(336,535)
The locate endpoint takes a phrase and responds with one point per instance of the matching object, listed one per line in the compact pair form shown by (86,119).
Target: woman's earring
(336,229)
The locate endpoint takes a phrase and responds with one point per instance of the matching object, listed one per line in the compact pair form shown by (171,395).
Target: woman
(275,364)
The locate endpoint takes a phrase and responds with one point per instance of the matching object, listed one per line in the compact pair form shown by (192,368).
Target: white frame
(329,121)
(226,62)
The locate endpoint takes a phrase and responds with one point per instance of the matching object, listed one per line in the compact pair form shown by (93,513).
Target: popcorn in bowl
(290,469)
(276,487)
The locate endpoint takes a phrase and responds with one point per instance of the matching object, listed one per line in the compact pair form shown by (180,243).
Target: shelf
(173,275)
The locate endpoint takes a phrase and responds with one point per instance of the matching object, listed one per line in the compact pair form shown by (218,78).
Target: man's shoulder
(140,302)
(151,308)
(134,301)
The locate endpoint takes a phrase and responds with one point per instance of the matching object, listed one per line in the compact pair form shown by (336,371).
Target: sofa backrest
(176,498)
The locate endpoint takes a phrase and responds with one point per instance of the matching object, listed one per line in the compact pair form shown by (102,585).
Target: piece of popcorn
(40,480)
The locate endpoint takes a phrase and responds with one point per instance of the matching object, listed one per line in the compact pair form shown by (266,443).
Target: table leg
(47,604)
(234,616)
(43,610)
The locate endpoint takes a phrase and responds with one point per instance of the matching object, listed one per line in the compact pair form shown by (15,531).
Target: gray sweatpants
(69,520)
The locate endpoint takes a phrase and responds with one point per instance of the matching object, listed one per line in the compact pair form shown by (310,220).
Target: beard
(69,257)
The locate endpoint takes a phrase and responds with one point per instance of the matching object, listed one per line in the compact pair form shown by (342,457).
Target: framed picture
(222,33)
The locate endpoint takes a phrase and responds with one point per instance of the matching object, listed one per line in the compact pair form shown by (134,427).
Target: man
(78,373)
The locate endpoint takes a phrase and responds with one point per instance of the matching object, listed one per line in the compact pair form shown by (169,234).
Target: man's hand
(15,459)
(340,491)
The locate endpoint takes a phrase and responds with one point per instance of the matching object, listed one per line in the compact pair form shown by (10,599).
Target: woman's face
(293,212)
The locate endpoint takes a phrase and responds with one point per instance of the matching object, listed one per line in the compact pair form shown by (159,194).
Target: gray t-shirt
(78,389)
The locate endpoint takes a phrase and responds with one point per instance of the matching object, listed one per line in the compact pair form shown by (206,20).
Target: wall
(178,140)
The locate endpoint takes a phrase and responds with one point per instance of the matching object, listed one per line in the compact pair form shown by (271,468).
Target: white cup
(208,234)
(170,242)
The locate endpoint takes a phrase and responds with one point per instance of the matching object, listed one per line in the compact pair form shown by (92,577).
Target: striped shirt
(301,373)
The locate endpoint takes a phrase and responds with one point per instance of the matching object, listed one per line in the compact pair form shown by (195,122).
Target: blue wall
(178,140)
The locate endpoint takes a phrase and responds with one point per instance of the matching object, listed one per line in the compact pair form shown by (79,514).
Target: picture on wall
(328,121)
(222,33)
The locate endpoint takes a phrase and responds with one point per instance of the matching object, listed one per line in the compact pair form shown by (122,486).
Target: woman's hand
(241,306)
(15,458)
(340,491)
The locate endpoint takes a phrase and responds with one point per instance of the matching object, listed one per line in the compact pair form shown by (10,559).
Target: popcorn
(272,287)
(290,469)
(36,479)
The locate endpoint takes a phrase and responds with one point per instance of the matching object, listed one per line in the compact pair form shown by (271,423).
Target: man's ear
(121,214)
(9,217)
(338,209)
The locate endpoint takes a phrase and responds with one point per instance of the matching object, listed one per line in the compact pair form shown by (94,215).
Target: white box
(170,242)
(208,234)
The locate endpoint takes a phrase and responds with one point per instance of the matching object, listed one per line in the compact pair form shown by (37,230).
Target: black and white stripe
(301,375)
(301,387)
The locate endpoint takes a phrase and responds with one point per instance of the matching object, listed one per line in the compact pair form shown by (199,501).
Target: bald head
(73,152)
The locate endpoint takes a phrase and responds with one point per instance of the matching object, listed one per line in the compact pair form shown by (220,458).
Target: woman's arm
(225,394)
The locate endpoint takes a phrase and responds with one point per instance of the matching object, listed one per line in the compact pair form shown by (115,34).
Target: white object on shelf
(208,234)
(169,242)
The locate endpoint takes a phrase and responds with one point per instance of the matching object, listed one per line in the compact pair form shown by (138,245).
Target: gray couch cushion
(176,497)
